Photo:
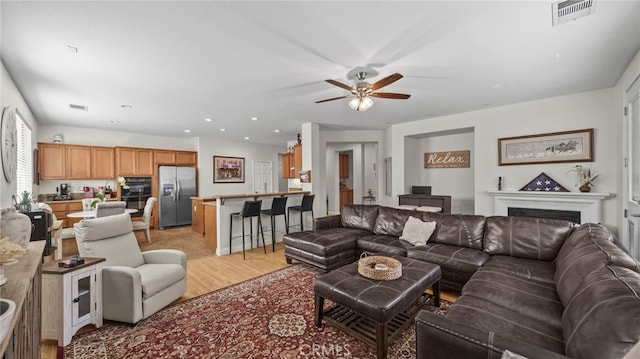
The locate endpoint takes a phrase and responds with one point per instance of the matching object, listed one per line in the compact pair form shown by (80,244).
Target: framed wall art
(228,169)
(555,147)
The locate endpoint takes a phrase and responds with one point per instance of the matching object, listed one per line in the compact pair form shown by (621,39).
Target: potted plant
(584,178)
(25,202)
(99,199)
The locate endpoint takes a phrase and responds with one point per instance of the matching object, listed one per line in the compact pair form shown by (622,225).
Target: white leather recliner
(135,284)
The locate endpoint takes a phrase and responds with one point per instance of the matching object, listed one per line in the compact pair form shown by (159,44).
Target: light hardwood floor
(205,273)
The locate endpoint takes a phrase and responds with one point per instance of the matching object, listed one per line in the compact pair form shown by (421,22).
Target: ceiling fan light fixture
(361,103)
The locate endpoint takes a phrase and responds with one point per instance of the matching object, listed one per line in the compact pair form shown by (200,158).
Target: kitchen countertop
(255,196)
(75,200)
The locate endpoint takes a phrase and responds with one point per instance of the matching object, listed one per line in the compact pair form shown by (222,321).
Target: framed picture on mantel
(568,146)
(228,169)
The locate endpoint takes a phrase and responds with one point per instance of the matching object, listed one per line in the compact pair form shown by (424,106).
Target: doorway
(262,177)
(631,173)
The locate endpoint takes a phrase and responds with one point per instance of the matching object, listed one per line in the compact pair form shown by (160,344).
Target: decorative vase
(585,188)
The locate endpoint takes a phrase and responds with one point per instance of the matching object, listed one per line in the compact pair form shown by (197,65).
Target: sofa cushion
(324,242)
(489,317)
(359,216)
(416,231)
(155,278)
(601,320)
(450,258)
(588,248)
(531,298)
(460,230)
(381,244)
(391,221)
(525,237)
(533,270)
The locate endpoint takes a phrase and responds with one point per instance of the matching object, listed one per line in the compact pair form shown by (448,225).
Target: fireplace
(587,207)
(573,216)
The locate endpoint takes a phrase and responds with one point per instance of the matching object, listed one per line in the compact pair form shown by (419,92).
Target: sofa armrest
(333,221)
(162,256)
(121,294)
(440,337)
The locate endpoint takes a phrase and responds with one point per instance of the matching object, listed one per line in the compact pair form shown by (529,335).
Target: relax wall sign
(447,159)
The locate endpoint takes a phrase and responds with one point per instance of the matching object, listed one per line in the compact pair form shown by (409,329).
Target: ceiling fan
(362,91)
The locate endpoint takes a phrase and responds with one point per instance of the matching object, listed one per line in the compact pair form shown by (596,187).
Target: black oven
(137,194)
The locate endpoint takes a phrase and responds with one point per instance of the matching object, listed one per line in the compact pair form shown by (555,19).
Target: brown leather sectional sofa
(541,288)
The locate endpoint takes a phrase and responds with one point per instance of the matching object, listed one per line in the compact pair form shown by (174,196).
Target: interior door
(262,177)
(631,178)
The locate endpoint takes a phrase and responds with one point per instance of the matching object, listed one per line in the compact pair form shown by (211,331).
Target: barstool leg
(273,233)
(243,255)
(301,225)
(286,223)
(261,230)
(230,232)
(251,233)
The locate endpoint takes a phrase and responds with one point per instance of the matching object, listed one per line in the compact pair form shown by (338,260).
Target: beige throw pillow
(417,232)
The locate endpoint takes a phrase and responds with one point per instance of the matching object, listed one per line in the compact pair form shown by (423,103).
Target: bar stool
(249,210)
(305,206)
(278,206)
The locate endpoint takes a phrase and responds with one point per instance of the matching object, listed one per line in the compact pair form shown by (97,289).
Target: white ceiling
(178,63)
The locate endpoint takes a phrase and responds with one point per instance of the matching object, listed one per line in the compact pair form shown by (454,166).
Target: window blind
(24,173)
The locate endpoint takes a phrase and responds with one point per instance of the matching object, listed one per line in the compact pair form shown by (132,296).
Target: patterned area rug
(266,317)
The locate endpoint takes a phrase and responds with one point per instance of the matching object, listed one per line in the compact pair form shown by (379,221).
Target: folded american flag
(544,183)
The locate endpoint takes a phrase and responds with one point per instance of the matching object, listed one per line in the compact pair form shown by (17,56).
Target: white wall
(456,182)
(594,109)
(10,96)
(210,147)
(98,137)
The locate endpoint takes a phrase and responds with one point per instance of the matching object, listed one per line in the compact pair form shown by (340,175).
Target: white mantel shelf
(589,204)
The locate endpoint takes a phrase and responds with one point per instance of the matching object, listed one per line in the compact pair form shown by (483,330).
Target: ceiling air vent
(563,11)
(78,107)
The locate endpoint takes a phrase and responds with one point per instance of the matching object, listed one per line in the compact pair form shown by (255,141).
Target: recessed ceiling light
(246,138)
(254,118)
(208,120)
(126,106)
(187,131)
(72,49)
(115,122)
(223,129)
(276,131)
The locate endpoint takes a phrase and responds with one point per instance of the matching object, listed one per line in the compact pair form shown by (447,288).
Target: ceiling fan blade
(386,81)
(397,96)
(331,99)
(340,84)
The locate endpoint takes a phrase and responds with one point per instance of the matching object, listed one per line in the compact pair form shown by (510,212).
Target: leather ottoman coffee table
(376,311)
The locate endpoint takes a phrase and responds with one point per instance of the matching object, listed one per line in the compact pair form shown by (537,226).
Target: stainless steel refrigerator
(177,186)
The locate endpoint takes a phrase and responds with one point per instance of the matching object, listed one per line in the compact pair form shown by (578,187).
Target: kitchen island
(217,212)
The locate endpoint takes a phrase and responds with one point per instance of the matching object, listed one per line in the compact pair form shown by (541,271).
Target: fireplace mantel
(589,204)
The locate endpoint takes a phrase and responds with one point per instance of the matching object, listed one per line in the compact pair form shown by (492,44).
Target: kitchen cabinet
(210,226)
(346,197)
(73,299)
(186,158)
(344,165)
(51,161)
(103,163)
(197,215)
(292,163)
(179,158)
(61,209)
(78,164)
(134,161)
(164,157)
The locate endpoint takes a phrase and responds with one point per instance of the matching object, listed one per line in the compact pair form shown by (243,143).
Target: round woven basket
(380,268)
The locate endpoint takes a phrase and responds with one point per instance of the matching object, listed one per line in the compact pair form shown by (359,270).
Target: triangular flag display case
(544,183)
